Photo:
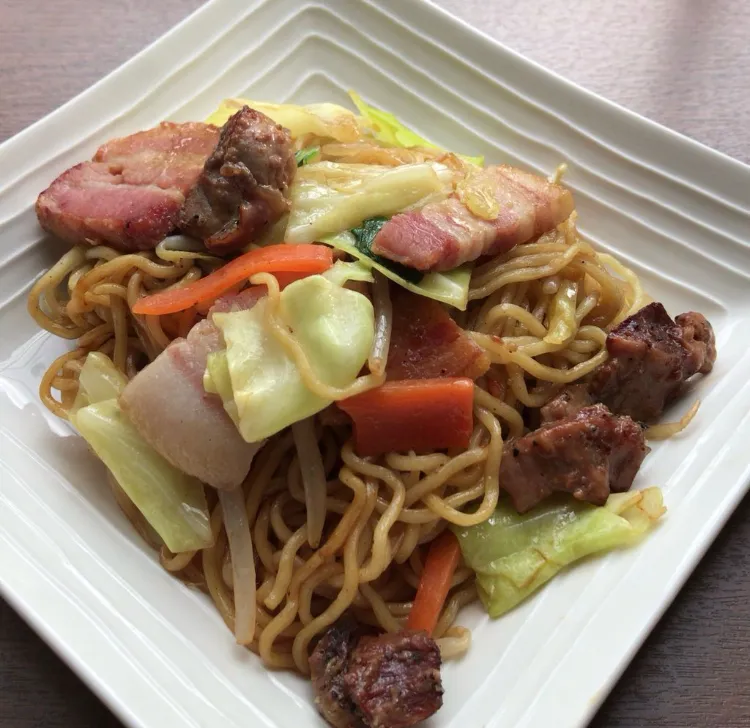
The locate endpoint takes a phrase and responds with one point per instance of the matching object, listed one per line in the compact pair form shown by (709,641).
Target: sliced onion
(383,324)
(243,564)
(176,248)
(313,478)
(665,430)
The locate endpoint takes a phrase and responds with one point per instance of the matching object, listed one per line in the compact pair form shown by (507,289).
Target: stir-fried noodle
(334,531)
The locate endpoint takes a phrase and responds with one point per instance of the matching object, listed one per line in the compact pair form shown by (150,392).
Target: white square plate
(674,210)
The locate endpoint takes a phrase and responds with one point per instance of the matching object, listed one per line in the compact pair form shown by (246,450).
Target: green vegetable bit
(306,155)
(514,554)
(365,234)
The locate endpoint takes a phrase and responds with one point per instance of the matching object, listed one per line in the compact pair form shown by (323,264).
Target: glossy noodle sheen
(377,513)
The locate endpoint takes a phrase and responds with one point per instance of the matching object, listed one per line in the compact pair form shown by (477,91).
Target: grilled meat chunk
(388,681)
(394,679)
(328,665)
(130,195)
(571,400)
(588,454)
(698,336)
(651,357)
(243,186)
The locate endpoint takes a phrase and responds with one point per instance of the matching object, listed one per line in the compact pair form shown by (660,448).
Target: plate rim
(61,646)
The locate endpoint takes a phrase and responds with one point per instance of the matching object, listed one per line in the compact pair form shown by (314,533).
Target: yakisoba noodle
(381,510)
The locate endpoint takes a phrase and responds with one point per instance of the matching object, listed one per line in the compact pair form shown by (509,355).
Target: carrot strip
(283,279)
(282,258)
(435,582)
(415,414)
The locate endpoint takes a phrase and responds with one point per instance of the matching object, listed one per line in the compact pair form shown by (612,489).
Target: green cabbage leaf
(173,503)
(450,287)
(321,121)
(331,197)
(386,128)
(333,325)
(514,554)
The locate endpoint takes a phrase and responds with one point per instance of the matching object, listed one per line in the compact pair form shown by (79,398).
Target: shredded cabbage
(451,287)
(513,555)
(333,325)
(386,128)
(325,121)
(172,502)
(328,197)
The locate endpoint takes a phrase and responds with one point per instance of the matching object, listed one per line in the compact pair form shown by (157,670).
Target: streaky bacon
(426,343)
(443,235)
(130,195)
(89,204)
(168,156)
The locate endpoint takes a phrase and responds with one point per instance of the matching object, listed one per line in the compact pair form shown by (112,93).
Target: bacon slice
(426,343)
(170,156)
(130,195)
(443,235)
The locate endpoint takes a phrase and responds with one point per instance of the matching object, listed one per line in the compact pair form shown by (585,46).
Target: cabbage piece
(333,325)
(216,380)
(451,287)
(341,272)
(327,121)
(99,379)
(386,128)
(513,555)
(172,502)
(328,197)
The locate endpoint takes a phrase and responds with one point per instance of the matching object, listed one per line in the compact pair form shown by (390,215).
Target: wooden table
(685,63)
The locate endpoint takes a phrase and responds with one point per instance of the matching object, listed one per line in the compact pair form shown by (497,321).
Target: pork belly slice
(244,184)
(443,235)
(170,156)
(589,454)
(427,343)
(129,197)
(167,404)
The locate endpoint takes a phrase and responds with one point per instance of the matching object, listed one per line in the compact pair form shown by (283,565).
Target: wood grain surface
(684,63)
